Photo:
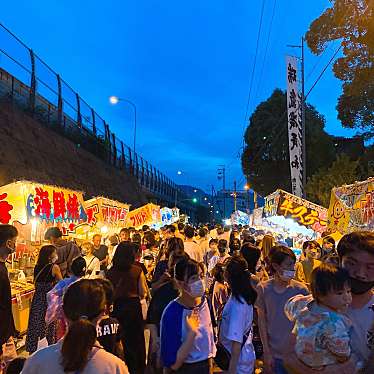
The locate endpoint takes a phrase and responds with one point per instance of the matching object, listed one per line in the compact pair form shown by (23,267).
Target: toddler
(321,328)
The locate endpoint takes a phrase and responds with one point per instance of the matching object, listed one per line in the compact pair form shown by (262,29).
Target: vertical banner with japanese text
(295,131)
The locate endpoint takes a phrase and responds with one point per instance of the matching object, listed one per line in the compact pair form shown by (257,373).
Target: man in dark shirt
(8,237)
(66,251)
(100,251)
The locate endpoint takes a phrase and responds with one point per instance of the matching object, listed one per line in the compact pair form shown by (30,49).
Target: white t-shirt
(174,333)
(193,250)
(48,360)
(362,334)
(93,267)
(236,321)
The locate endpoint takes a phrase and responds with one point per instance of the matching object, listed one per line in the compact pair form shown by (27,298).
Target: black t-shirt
(108,334)
(101,253)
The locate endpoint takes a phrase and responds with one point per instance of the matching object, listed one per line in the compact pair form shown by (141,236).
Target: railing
(30,83)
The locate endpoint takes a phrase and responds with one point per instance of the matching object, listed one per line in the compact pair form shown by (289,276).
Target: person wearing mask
(234,247)
(356,255)
(129,288)
(187,340)
(46,275)
(165,292)
(190,246)
(66,251)
(93,263)
(8,239)
(329,254)
(272,295)
(213,251)
(304,268)
(221,257)
(100,251)
(237,317)
(79,351)
(54,312)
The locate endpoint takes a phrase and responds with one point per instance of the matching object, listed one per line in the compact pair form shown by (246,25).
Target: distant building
(224,203)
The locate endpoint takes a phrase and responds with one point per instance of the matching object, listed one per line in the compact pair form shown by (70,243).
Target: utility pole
(303,114)
(222,175)
(234,196)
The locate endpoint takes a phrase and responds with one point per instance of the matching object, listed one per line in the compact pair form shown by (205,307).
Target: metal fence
(29,82)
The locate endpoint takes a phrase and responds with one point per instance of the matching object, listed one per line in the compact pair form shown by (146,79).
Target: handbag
(223,356)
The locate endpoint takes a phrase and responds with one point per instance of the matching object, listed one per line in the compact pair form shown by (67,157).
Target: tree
(265,159)
(351,22)
(342,171)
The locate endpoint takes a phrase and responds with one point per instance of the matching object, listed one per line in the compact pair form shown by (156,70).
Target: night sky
(186,64)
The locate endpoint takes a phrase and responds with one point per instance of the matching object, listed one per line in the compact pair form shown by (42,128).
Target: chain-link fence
(30,83)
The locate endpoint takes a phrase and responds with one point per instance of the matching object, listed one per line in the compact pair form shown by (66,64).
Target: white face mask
(287,274)
(197,288)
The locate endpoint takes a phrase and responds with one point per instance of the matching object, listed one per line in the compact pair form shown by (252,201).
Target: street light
(114,100)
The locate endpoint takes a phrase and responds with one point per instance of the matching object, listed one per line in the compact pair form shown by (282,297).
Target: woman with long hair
(187,340)
(46,275)
(129,288)
(235,331)
(79,351)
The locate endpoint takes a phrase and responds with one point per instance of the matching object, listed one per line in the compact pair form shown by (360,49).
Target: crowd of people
(231,299)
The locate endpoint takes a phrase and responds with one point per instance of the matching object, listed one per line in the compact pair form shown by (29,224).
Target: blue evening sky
(186,65)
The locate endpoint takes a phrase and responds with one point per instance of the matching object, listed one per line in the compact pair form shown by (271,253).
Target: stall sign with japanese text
(352,207)
(309,215)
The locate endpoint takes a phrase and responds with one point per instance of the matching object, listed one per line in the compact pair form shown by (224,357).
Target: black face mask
(360,287)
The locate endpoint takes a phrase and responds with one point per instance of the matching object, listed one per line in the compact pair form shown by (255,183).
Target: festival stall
(239,218)
(294,215)
(168,217)
(145,215)
(32,208)
(352,207)
(104,216)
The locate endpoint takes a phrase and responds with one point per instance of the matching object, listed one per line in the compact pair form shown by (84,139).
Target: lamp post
(115,100)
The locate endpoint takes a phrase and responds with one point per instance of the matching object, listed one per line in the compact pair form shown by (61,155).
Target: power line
(317,62)
(323,71)
(266,48)
(275,128)
(254,63)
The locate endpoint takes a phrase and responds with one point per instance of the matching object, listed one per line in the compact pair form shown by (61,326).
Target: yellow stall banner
(352,207)
(145,215)
(102,211)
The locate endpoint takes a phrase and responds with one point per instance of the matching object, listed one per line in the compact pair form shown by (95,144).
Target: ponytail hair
(239,279)
(84,301)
